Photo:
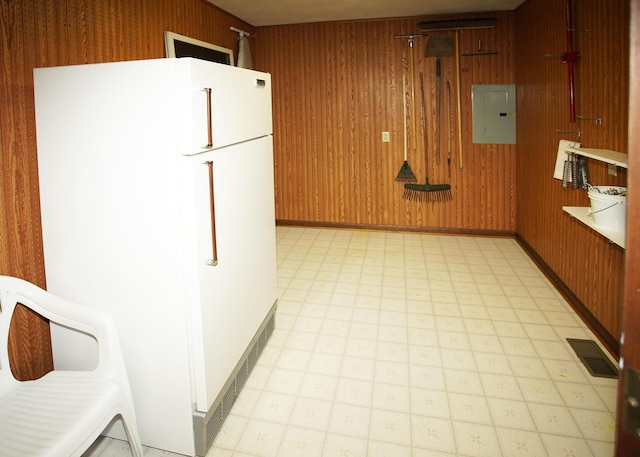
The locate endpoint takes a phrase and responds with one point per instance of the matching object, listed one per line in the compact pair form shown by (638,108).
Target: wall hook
(480,51)
(577,132)
(587,31)
(598,120)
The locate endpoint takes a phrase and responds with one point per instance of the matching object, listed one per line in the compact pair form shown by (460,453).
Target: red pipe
(570,58)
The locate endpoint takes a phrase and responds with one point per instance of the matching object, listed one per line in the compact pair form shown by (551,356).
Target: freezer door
(236,292)
(228,105)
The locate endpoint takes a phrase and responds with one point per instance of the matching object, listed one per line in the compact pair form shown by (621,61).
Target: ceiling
(277,12)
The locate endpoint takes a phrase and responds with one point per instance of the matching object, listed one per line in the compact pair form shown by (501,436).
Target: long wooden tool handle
(457,44)
(424,115)
(449,126)
(404,112)
(413,94)
(438,107)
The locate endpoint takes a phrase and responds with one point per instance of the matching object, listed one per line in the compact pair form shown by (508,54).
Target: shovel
(439,46)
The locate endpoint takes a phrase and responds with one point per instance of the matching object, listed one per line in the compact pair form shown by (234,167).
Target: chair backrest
(82,318)
(110,371)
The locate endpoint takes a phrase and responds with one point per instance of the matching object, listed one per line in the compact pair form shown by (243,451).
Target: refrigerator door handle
(209,144)
(214,247)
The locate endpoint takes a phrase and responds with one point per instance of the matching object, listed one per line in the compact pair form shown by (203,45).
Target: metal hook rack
(480,51)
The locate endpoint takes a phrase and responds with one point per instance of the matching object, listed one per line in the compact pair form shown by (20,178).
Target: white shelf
(616,158)
(582,214)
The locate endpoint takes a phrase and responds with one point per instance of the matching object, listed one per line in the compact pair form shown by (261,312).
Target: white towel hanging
(244,53)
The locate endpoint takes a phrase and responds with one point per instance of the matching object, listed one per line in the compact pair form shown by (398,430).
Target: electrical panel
(494,113)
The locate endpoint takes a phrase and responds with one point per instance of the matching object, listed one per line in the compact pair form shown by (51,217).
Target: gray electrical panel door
(494,113)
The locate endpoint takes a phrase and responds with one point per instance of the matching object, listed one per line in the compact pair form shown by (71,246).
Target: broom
(405,174)
(427,192)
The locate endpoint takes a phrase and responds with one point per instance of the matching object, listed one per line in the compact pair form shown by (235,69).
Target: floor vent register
(593,358)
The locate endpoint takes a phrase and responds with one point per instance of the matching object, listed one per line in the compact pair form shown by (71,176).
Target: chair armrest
(94,322)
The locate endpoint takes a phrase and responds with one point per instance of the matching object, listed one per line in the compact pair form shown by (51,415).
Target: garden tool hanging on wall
(456,26)
(449,126)
(439,45)
(426,192)
(405,174)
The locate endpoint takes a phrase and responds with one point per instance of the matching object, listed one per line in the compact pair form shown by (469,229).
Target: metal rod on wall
(570,57)
(242,32)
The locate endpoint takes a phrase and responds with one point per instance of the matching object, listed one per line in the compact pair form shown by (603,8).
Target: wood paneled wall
(41,33)
(588,264)
(338,86)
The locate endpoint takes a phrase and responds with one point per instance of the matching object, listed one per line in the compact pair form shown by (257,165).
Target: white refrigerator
(157,201)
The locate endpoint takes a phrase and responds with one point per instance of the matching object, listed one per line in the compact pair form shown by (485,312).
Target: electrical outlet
(613,170)
(386,137)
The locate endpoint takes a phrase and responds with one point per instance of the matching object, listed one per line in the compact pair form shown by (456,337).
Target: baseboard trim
(397,228)
(611,343)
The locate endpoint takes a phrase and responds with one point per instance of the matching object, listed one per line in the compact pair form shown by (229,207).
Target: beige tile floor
(415,345)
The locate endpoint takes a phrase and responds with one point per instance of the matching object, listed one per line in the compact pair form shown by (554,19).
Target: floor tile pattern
(416,345)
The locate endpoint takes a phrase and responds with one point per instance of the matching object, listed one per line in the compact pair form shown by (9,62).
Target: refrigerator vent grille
(242,376)
(229,399)
(208,425)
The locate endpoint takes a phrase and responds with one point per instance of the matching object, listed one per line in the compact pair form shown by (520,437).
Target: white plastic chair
(64,412)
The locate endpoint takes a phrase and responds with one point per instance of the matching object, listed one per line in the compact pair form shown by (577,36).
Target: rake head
(405,174)
(427,192)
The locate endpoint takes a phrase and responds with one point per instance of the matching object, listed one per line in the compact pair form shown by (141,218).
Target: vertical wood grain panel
(337,86)
(488,190)
(587,263)
(40,33)
(20,209)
